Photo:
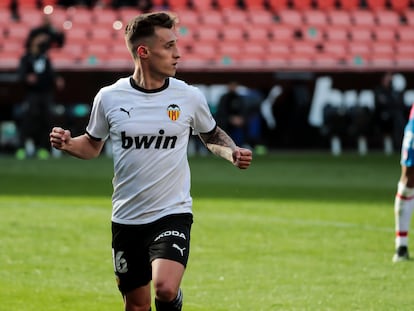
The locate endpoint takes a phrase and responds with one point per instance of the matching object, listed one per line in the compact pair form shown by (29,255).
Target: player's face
(163,53)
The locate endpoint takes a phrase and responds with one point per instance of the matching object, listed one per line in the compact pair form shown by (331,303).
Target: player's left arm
(220,144)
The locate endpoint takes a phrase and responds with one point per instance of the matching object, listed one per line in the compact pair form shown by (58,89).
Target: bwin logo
(146,142)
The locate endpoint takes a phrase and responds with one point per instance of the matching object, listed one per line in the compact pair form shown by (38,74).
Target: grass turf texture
(294,232)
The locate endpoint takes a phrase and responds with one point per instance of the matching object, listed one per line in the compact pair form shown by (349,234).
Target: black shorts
(134,247)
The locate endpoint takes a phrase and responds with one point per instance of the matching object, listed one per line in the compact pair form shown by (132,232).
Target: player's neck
(147,81)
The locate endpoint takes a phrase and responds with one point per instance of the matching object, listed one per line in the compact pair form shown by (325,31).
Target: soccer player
(149,117)
(404,200)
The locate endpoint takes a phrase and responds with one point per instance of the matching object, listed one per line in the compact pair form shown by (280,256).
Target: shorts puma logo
(181,250)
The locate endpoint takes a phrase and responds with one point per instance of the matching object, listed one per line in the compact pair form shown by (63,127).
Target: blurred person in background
(40,81)
(390,112)
(404,199)
(149,117)
(231,114)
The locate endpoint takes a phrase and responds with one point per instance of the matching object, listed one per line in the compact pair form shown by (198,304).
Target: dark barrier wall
(298,109)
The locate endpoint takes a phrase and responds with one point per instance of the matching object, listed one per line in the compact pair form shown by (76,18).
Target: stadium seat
(409,17)
(337,33)
(357,33)
(102,34)
(338,49)
(212,17)
(303,48)
(254,4)
(339,17)
(207,34)
(359,48)
(279,49)
(404,61)
(312,33)
(61,59)
(362,18)
(233,33)
(80,16)
(405,34)
(104,16)
(58,16)
(260,17)
(257,34)
(326,60)
(230,49)
(315,17)
(282,33)
(290,17)
(32,17)
(227,4)
(13,46)
(17,31)
(235,17)
(400,6)
(384,34)
(302,5)
(326,5)
(202,6)
(188,17)
(383,49)
(127,13)
(178,4)
(278,5)
(404,48)
(349,5)
(375,5)
(203,49)
(8,60)
(387,18)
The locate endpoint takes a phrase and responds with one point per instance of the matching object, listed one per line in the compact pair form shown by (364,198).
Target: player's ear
(142,51)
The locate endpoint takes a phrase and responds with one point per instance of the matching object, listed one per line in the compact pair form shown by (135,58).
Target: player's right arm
(83,146)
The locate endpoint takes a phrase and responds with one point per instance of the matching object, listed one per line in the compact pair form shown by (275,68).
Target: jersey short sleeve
(203,121)
(98,126)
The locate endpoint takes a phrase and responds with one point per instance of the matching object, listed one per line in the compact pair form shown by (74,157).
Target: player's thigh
(167,274)
(138,297)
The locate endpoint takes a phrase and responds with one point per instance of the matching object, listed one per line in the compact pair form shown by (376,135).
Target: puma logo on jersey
(126,111)
(181,250)
(147,142)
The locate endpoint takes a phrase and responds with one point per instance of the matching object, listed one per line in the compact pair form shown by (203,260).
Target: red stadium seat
(227,4)
(188,17)
(387,18)
(212,17)
(349,5)
(337,33)
(363,18)
(254,4)
(260,17)
(409,16)
(383,48)
(282,33)
(32,17)
(315,17)
(375,5)
(235,17)
(339,17)
(104,16)
(302,4)
(359,48)
(384,34)
(290,17)
(361,33)
(404,48)
(208,34)
(312,33)
(233,33)
(326,5)
(303,48)
(405,34)
(277,5)
(257,34)
(400,6)
(335,48)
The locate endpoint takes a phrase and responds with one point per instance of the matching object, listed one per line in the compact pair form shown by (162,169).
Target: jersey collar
(141,89)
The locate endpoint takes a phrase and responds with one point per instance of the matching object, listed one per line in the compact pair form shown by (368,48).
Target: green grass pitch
(297,231)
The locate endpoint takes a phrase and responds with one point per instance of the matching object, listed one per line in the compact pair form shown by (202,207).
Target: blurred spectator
(231,114)
(38,76)
(389,113)
(55,37)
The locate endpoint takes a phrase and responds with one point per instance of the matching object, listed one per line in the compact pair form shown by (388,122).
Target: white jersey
(149,130)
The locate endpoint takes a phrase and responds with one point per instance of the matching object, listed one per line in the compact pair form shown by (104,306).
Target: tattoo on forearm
(219,143)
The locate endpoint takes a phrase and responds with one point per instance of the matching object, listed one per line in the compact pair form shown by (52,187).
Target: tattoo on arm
(219,143)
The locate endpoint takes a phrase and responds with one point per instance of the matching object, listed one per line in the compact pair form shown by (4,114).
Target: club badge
(173,112)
